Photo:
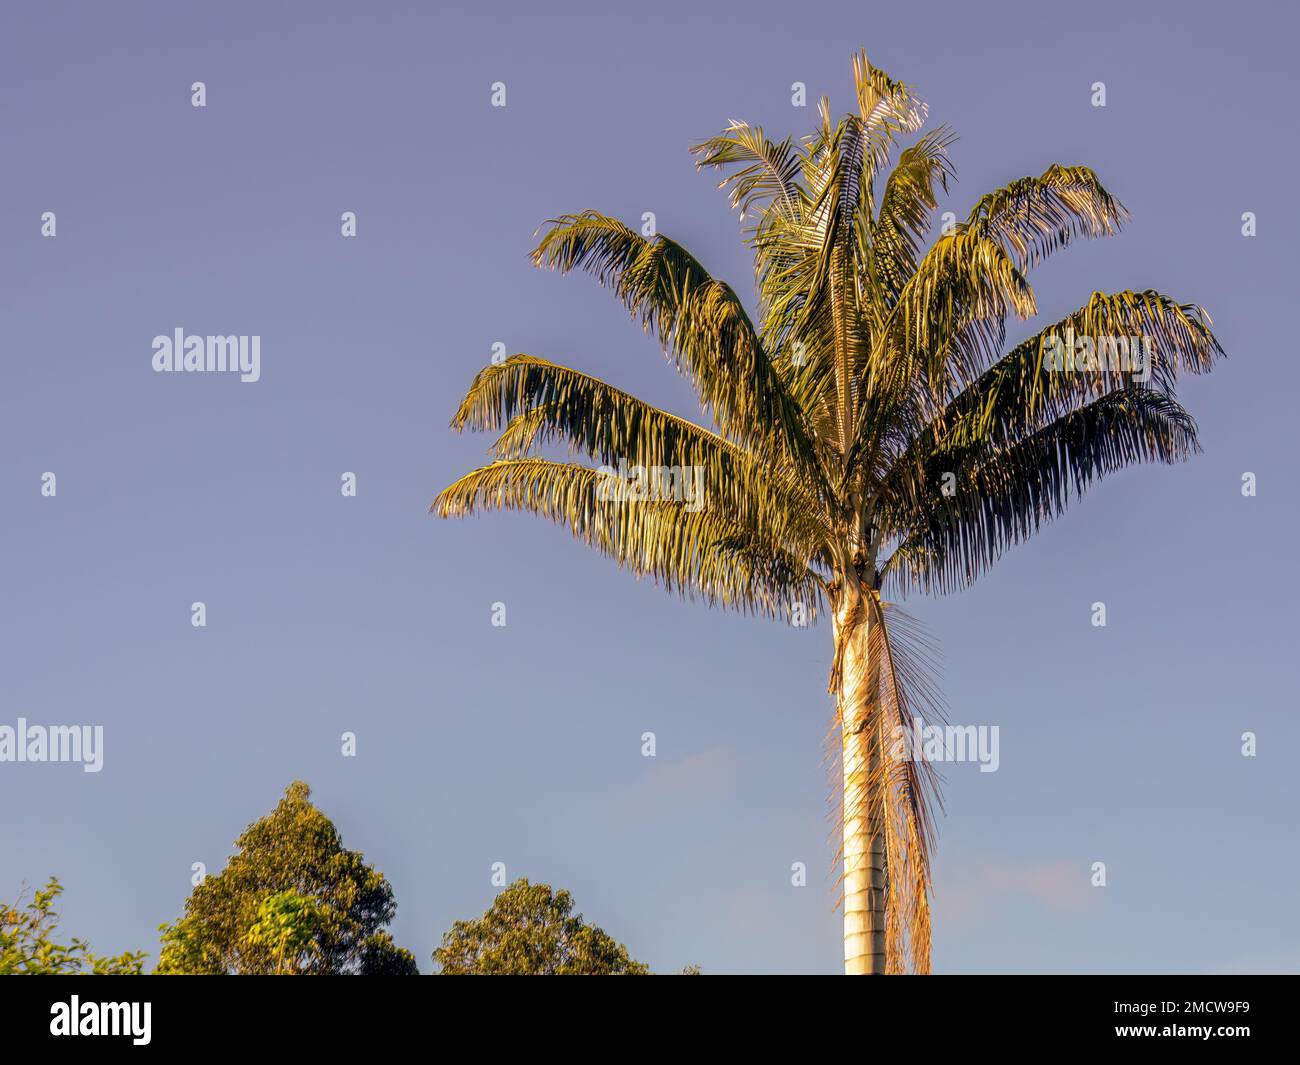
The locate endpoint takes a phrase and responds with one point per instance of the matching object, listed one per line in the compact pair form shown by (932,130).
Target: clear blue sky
(522,745)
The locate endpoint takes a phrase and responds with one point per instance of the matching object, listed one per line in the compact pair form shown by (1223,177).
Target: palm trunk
(865,873)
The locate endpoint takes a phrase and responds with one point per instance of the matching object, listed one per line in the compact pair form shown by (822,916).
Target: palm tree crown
(869,433)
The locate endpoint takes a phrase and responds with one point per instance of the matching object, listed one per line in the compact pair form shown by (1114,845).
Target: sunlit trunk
(864,842)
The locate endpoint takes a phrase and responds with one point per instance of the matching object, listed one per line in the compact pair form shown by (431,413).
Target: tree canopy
(531,930)
(27,946)
(291,900)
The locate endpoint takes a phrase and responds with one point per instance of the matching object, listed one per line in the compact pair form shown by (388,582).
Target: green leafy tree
(382,957)
(288,925)
(868,433)
(292,900)
(27,947)
(531,930)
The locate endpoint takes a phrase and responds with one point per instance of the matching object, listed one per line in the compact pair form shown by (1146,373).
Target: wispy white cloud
(671,786)
(973,891)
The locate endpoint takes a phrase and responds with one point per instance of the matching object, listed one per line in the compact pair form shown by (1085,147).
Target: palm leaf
(693,553)
(1004,495)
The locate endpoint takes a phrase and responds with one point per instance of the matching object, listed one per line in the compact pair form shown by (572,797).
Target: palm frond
(887,109)
(946,318)
(768,174)
(695,553)
(1025,388)
(536,402)
(700,323)
(894,236)
(1002,496)
(908,786)
(1035,216)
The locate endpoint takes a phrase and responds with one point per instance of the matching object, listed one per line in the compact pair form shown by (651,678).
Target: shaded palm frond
(1025,389)
(1001,496)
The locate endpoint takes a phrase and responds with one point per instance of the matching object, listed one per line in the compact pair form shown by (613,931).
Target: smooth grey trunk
(865,873)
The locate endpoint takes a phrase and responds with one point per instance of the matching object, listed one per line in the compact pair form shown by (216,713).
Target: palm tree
(870,431)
